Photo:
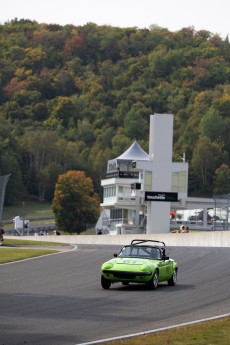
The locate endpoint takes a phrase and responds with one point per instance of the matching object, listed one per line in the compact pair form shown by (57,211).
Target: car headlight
(145,268)
(107,266)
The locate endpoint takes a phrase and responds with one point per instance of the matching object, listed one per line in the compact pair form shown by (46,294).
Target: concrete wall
(196,239)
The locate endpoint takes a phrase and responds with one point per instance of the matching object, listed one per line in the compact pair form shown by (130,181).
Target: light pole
(23,215)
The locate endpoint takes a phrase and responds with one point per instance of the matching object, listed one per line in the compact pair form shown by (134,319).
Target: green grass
(30,209)
(208,333)
(14,249)
(16,254)
(24,242)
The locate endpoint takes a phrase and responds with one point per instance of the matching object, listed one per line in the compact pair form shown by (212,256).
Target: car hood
(117,263)
(130,261)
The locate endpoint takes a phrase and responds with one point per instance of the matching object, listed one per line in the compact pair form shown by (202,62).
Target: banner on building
(161,196)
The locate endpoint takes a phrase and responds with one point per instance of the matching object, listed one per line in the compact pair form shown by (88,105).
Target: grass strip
(13,250)
(28,210)
(22,242)
(207,333)
(16,254)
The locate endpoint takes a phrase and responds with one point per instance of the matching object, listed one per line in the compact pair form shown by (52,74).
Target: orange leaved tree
(75,203)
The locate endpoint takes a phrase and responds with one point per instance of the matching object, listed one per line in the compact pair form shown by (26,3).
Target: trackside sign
(161,196)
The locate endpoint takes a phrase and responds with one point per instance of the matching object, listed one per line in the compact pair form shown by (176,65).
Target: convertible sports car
(143,261)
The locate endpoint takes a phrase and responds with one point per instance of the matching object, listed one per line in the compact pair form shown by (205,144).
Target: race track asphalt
(58,299)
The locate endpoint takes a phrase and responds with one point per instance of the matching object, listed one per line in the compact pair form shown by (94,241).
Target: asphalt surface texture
(58,299)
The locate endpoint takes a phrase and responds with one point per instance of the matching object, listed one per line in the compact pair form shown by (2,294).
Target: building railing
(110,224)
(119,198)
(199,225)
(123,174)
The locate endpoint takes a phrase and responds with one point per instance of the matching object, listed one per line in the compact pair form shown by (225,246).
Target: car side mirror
(164,257)
(115,255)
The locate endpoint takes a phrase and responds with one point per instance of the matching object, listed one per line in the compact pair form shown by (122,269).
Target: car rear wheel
(105,283)
(153,283)
(172,281)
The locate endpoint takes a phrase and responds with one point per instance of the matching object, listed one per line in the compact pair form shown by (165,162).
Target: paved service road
(58,299)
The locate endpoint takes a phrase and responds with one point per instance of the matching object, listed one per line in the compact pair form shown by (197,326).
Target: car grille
(126,275)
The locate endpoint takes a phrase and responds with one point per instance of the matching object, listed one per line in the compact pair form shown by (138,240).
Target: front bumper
(123,275)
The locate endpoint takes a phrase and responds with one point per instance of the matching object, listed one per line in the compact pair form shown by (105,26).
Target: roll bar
(143,241)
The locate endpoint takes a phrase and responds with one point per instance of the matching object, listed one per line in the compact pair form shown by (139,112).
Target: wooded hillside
(73,97)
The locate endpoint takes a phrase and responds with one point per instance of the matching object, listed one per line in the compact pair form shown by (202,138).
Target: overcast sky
(209,15)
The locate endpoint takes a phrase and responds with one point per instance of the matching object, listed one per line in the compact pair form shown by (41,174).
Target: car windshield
(141,252)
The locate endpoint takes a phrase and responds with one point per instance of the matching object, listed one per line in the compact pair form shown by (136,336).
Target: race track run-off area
(58,299)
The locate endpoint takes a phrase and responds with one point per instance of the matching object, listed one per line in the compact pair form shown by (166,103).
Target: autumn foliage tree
(75,203)
(91,89)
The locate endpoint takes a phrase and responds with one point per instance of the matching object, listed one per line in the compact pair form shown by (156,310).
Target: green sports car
(143,262)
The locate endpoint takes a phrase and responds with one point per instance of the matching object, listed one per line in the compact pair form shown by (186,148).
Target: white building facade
(141,189)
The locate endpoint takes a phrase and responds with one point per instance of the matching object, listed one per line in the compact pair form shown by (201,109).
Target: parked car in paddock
(141,262)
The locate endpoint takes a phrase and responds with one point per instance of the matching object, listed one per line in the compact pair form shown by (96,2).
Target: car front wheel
(153,283)
(105,283)
(172,281)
